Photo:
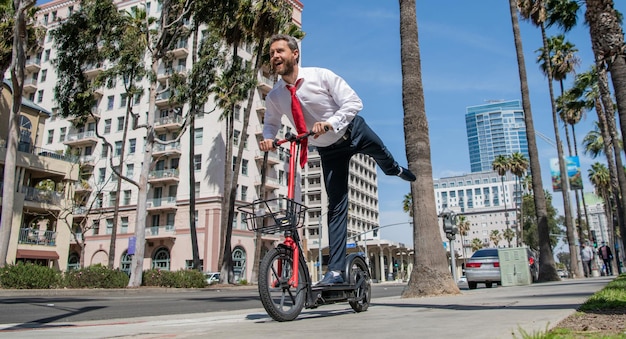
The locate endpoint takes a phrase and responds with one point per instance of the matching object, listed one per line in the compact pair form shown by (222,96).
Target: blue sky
(468,57)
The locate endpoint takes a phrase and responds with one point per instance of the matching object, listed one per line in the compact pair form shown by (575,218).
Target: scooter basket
(273,215)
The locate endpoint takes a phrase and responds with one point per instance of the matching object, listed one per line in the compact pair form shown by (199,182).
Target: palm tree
(431,274)
(407,204)
(477,244)
(501,165)
(495,237)
(607,42)
(536,13)
(508,235)
(599,177)
(464,228)
(547,271)
(518,165)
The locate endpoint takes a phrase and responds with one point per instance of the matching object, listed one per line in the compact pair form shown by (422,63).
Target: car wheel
(488,284)
(472,285)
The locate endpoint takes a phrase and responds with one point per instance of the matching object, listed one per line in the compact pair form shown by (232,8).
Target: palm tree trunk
(547,269)
(430,274)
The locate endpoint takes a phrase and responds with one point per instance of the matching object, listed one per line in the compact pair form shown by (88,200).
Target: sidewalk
(483,313)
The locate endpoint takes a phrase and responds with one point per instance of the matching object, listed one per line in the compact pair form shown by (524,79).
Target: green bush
(96,276)
(29,276)
(178,279)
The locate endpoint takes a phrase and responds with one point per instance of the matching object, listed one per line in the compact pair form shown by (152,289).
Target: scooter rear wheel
(281,301)
(360,277)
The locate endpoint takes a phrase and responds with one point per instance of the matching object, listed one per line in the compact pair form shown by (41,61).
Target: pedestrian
(586,255)
(318,100)
(607,257)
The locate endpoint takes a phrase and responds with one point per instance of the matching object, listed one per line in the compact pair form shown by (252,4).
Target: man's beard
(288,67)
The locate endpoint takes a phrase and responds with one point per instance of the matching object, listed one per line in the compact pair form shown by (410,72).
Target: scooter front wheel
(360,277)
(282,301)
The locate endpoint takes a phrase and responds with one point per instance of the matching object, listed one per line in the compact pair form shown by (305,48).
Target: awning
(35,254)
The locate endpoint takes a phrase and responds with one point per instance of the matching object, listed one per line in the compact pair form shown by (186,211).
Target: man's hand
(321,127)
(266,145)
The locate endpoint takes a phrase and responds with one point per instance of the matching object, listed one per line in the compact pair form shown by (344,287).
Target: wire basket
(273,215)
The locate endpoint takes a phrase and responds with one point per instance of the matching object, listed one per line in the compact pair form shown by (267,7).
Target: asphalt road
(83,305)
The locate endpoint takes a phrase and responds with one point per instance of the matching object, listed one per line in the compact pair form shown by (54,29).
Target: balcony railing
(36,195)
(33,236)
(159,230)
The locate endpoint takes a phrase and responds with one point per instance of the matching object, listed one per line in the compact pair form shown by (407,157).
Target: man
(329,108)
(586,255)
(607,257)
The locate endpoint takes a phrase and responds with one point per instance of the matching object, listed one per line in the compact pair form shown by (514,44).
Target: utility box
(514,270)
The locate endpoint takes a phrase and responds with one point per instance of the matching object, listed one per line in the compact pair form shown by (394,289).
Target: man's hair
(291,42)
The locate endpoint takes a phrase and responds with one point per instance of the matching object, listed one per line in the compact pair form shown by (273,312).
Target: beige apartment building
(44,181)
(168,238)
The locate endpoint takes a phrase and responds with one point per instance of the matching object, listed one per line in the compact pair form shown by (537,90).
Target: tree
(518,164)
(18,64)
(508,235)
(501,165)
(495,236)
(547,270)
(464,228)
(477,244)
(430,274)
(607,42)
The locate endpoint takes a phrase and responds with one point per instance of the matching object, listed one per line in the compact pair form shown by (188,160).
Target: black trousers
(335,166)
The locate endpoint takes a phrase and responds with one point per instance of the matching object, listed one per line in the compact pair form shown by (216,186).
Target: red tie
(298,118)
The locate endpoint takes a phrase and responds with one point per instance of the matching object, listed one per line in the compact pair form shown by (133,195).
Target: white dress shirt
(324,96)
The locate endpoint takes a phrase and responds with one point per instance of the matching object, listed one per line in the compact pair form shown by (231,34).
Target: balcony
(168,123)
(163,99)
(270,183)
(160,204)
(87,162)
(92,116)
(82,187)
(32,236)
(81,139)
(272,157)
(167,176)
(265,84)
(91,71)
(167,73)
(160,232)
(30,85)
(164,150)
(181,50)
(33,65)
(43,197)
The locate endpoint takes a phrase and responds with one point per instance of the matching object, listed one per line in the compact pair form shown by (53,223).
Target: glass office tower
(495,128)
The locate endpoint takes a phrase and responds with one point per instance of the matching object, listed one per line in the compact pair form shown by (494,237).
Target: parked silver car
(483,267)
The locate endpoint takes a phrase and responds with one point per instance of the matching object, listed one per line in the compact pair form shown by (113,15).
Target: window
(110,102)
(120,123)
(137,99)
(123,98)
(50,136)
(107,126)
(197,188)
(236,137)
(118,148)
(112,198)
(39,95)
(44,75)
(127,195)
(46,55)
(124,226)
(237,113)
(161,259)
(96,227)
(101,175)
(130,170)
(109,226)
(197,136)
(244,167)
(132,145)
(197,162)
(244,193)
(62,134)
(105,151)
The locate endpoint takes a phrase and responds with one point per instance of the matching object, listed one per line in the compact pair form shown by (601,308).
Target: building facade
(493,129)
(488,203)
(44,186)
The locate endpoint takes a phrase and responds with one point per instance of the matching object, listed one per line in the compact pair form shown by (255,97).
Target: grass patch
(611,297)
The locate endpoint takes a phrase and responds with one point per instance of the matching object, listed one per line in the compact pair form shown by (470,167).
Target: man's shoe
(331,278)
(406,174)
